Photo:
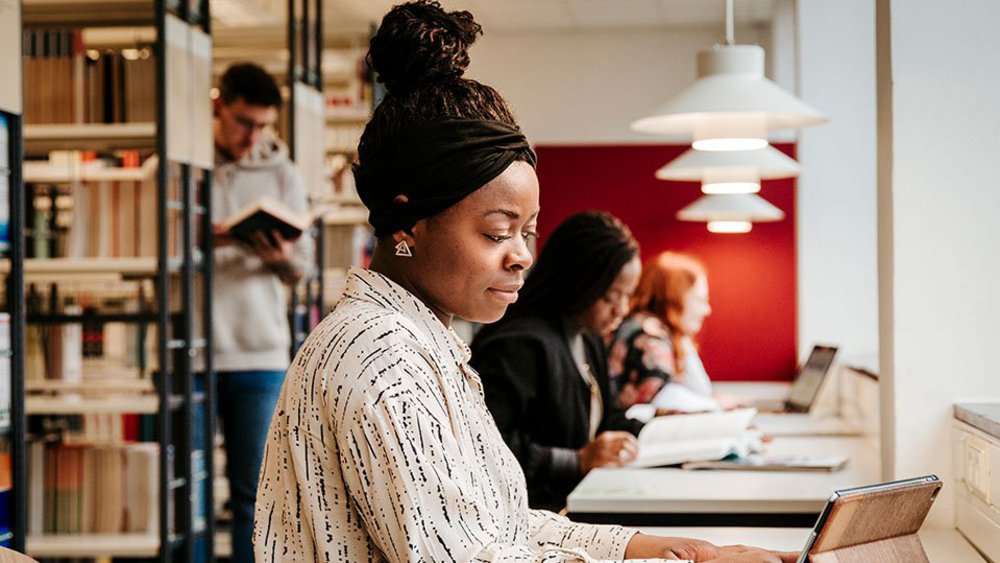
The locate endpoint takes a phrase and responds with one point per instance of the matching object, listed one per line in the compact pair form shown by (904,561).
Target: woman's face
(603,317)
(469,261)
(696,307)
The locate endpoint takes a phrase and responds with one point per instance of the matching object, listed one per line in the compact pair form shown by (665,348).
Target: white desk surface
(660,490)
(942,546)
(764,390)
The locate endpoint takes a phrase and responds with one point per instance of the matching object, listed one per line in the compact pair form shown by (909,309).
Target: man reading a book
(251,337)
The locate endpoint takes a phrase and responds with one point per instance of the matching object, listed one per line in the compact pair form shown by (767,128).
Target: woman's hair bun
(419,42)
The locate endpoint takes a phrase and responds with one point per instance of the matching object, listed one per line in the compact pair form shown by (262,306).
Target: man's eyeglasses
(250,125)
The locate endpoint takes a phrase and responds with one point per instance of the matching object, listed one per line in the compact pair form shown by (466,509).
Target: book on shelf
(78,352)
(64,348)
(5,373)
(72,83)
(675,439)
(4,184)
(82,213)
(92,488)
(757,462)
(264,216)
(6,486)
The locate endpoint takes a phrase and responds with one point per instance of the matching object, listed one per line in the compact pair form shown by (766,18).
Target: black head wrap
(435,164)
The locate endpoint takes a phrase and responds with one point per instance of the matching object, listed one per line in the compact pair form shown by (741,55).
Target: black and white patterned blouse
(381,449)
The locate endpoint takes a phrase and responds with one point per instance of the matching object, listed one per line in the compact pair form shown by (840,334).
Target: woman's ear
(403,239)
(404,243)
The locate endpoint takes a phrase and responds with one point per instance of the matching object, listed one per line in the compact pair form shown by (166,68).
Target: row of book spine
(79,217)
(79,488)
(73,84)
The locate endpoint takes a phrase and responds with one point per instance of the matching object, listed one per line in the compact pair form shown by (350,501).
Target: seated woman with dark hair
(543,366)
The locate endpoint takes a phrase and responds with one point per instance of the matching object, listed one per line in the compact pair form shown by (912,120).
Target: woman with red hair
(654,357)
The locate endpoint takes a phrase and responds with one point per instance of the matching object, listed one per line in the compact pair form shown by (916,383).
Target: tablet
(873,513)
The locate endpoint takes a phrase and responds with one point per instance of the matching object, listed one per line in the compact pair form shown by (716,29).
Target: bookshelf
(63,404)
(95,136)
(306,107)
(94,545)
(13,471)
(128,160)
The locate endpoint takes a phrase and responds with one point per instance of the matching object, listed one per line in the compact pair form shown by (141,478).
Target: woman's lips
(508,295)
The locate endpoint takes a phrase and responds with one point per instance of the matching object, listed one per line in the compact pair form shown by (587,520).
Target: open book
(266,215)
(669,440)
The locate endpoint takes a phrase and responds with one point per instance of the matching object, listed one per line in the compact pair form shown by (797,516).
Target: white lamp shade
(767,163)
(731,103)
(731,207)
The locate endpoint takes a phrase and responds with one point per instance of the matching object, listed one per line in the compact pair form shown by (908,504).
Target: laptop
(791,417)
(806,386)
(873,523)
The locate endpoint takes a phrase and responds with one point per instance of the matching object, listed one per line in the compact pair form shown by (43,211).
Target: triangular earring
(403,249)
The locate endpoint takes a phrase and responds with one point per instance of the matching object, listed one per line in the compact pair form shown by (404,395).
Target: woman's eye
(528,235)
(498,238)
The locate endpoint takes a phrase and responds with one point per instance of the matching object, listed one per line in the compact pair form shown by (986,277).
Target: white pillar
(836,228)
(939,196)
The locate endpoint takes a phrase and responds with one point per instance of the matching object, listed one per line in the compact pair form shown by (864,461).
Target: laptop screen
(811,376)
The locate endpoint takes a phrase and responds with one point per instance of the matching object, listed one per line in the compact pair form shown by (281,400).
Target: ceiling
(567,15)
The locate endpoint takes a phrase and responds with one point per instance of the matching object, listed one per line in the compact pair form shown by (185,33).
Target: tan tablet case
(880,526)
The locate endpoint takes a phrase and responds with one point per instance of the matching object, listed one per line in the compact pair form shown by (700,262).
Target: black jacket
(540,401)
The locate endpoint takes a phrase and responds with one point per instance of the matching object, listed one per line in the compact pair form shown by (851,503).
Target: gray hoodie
(249,301)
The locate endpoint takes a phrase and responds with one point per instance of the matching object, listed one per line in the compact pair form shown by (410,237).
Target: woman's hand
(744,554)
(644,546)
(628,395)
(608,449)
(648,388)
(728,402)
(273,248)
(220,236)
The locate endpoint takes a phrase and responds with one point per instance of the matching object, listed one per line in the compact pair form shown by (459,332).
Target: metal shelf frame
(305,36)
(18,313)
(177,345)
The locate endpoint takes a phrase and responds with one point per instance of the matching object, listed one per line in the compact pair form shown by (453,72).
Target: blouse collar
(372,287)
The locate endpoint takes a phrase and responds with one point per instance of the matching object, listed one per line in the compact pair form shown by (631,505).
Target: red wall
(751,332)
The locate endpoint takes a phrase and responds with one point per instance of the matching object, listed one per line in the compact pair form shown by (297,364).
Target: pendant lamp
(731,213)
(729,172)
(731,106)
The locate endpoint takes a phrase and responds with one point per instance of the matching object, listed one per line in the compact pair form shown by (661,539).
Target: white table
(823,420)
(942,546)
(725,498)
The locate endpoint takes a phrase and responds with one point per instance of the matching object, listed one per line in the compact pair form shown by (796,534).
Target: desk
(674,497)
(822,420)
(942,546)
(776,391)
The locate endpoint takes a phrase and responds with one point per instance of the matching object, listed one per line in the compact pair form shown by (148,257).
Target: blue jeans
(246,402)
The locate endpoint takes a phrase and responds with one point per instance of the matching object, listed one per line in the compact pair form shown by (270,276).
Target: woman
(653,357)
(543,366)
(381,448)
